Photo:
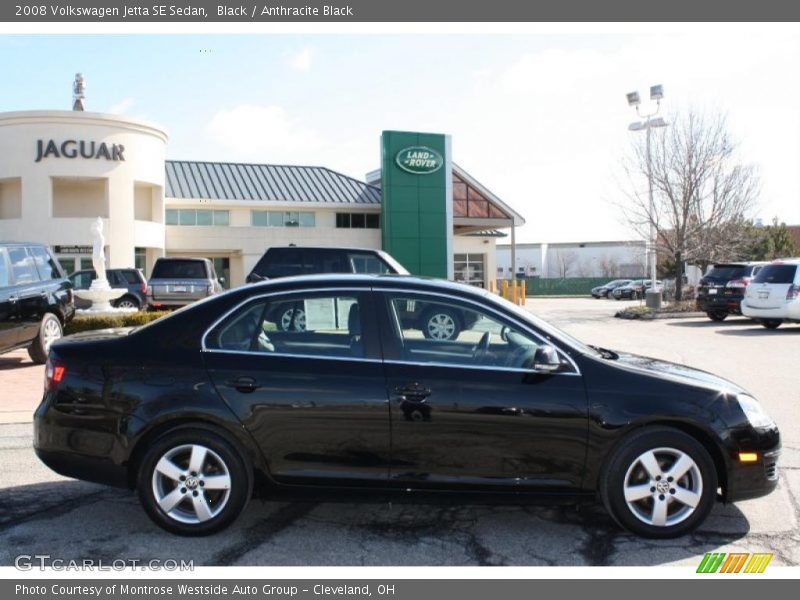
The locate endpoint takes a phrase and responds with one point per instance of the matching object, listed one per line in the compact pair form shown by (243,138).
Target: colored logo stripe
(734,562)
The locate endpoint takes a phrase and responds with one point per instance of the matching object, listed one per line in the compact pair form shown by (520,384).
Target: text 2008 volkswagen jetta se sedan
(194,409)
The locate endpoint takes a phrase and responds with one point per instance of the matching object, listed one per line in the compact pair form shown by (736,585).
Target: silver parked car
(178,281)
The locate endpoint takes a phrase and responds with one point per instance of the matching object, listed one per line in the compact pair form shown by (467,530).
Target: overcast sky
(541,120)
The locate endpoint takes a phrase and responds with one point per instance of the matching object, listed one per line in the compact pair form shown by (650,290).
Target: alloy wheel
(51,332)
(127,303)
(441,326)
(191,483)
(299,323)
(663,487)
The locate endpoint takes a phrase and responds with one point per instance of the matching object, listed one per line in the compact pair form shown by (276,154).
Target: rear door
(31,295)
(771,285)
(313,397)
(9,306)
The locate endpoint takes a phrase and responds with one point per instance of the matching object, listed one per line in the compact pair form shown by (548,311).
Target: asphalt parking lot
(42,513)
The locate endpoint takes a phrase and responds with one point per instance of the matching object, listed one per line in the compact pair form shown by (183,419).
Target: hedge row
(134,319)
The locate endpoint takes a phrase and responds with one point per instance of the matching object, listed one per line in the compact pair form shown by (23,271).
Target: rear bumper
(789,311)
(731,304)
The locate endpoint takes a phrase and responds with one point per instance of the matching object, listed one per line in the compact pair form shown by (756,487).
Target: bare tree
(564,261)
(701,193)
(609,266)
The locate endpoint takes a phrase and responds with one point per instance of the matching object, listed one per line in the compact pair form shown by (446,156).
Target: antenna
(78,91)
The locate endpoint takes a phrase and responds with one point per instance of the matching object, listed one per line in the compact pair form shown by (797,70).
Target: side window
(22,267)
(46,266)
(313,324)
(433,331)
(284,262)
(4,278)
(367,263)
(130,277)
(82,280)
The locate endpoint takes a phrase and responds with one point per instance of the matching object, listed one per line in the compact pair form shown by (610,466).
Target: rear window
(130,276)
(179,269)
(727,272)
(776,274)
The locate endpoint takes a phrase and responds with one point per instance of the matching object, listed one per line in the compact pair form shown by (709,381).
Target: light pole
(647,122)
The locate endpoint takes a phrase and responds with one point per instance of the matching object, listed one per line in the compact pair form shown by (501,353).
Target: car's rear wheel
(659,483)
(193,482)
(50,330)
(128,302)
(717,315)
(441,325)
(771,323)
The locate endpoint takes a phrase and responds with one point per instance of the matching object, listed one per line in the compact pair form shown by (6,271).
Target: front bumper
(747,480)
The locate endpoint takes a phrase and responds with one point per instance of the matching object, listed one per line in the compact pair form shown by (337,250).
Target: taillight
(739,283)
(793,292)
(70,296)
(54,372)
(144,288)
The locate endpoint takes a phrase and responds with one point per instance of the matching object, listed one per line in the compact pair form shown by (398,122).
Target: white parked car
(773,297)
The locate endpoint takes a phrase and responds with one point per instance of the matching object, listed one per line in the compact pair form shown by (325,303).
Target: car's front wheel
(50,330)
(771,323)
(193,482)
(659,483)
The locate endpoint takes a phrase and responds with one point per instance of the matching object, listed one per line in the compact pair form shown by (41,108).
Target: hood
(676,372)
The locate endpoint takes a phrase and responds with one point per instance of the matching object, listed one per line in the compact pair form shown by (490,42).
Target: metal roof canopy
(278,183)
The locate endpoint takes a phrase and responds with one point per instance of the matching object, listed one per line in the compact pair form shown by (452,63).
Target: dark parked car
(180,280)
(602,291)
(35,299)
(132,279)
(196,408)
(635,290)
(435,323)
(721,291)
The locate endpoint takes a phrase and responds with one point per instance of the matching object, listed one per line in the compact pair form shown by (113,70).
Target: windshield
(179,269)
(776,274)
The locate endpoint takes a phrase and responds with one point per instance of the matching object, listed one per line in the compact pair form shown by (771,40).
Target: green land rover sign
(419,160)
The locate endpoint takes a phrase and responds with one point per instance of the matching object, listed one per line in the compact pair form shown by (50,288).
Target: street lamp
(646,122)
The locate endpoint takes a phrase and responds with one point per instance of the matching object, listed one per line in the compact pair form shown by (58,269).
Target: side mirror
(546,359)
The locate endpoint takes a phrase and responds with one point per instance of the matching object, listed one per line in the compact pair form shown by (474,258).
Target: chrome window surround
(524,327)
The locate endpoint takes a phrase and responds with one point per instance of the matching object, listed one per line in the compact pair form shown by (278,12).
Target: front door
(469,411)
(302,371)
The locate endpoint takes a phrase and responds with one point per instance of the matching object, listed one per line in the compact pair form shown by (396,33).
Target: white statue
(98,250)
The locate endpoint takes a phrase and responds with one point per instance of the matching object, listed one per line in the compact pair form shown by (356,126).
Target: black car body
(36,298)
(288,261)
(131,279)
(634,290)
(602,291)
(197,407)
(721,291)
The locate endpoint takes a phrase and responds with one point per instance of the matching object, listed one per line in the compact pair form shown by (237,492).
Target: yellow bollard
(491,286)
(523,293)
(505,289)
(514,291)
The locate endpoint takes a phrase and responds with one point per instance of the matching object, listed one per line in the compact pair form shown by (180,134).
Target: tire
(197,512)
(284,319)
(50,330)
(717,315)
(128,302)
(441,324)
(650,489)
(771,323)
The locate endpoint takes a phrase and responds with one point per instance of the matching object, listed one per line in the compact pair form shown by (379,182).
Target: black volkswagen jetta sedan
(196,408)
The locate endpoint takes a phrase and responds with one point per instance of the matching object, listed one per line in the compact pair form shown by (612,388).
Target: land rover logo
(419,160)
(76,148)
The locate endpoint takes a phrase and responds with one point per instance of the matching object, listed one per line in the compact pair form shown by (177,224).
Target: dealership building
(60,170)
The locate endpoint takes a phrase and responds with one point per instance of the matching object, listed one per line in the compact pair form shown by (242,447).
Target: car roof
(785,261)
(740,263)
(338,248)
(22,244)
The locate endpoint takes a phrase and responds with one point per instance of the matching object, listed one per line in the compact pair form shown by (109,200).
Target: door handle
(245,385)
(13,298)
(412,392)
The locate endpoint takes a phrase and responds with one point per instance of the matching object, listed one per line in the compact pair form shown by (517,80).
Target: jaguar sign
(419,160)
(78,148)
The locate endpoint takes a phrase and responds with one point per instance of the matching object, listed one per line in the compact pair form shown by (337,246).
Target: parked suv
(432,320)
(132,279)
(773,297)
(305,260)
(35,299)
(178,281)
(721,290)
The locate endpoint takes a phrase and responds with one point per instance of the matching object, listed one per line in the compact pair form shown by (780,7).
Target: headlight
(755,414)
